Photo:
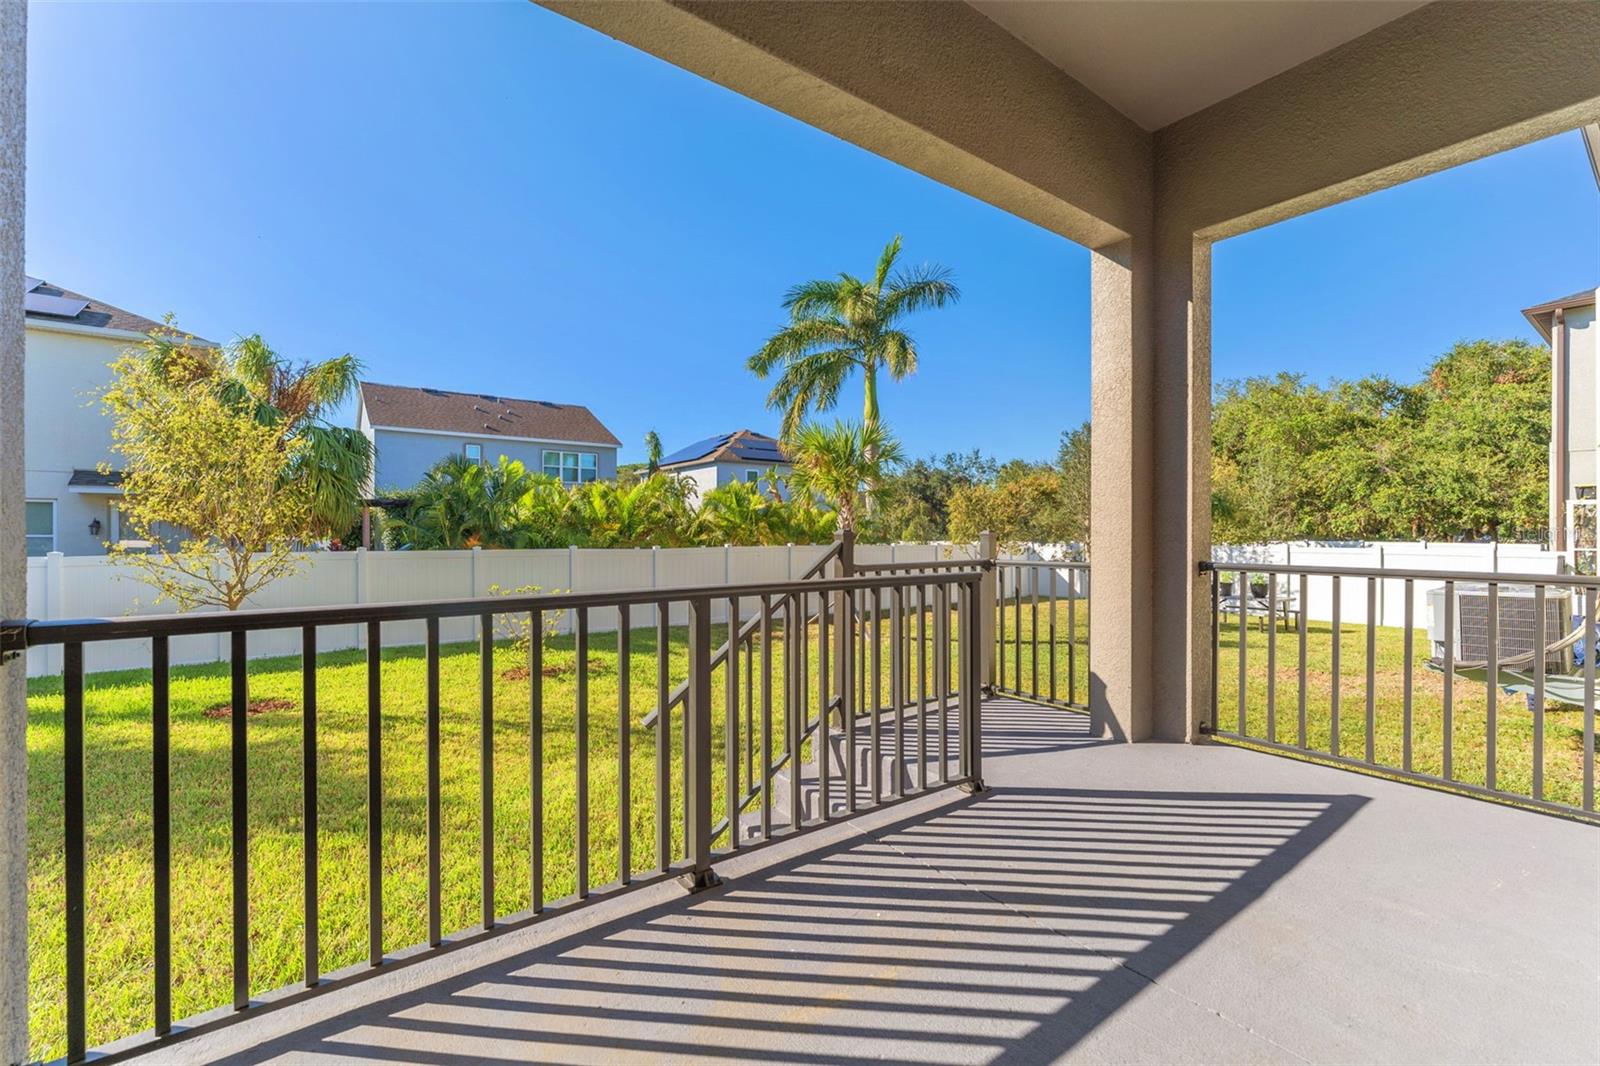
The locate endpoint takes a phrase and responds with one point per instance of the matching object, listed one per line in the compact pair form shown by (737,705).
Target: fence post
(697,747)
(988,550)
(54,605)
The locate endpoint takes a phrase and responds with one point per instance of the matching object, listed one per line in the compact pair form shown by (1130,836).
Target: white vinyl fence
(94,587)
(1389,555)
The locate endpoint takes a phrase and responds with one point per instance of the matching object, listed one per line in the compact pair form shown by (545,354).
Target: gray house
(411,429)
(744,455)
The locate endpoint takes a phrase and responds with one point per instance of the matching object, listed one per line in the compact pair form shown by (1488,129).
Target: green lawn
(118,813)
(1514,724)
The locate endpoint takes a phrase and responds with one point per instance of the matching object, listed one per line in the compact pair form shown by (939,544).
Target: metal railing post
(988,551)
(844,566)
(697,746)
(972,684)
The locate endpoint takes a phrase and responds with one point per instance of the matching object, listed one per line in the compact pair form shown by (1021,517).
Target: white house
(411,429)
(1568,324)
(71,342)
(744,455)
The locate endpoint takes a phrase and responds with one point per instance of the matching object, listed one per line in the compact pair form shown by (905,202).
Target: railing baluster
(1054,577)
(1449,676)
(1242,590)
(581,664)
(161,824)
(766,720)
(309,815)
(1072,644)
(1033,628)
(897,687)
(239,759)
(1538,692)
(730,728)
(1372,668)
(1492,680)
(1338,642)
(749,706)
(922,687)
(663,741)
(941,670)
(73,788)
(624,745)
(486,762)
(536,759)
(1272,657)
(1589,633)
(847,694)
(794,729)
(374,793)
(972,726)
(1300,620)
(1016,632)
(875,774)
(435,830)
(1406,697)
(820,745)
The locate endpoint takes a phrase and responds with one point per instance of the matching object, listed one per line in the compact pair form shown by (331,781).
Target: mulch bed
(254,707)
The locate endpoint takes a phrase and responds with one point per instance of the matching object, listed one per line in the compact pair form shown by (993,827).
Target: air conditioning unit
(1517,622)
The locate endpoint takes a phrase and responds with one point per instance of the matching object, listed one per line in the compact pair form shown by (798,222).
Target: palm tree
(652,451)
(334,460)
(463,504)
(840,463)
(839,325)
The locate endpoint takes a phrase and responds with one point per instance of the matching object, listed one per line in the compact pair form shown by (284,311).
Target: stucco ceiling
(1157,61)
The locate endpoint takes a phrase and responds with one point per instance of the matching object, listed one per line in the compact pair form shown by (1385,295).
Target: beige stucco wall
(941,89)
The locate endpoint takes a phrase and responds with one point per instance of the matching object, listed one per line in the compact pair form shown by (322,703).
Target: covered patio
(1102,903)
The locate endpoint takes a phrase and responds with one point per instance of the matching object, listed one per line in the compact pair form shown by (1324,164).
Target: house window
(473,452)
(41,522)
(752,477)
(572,467)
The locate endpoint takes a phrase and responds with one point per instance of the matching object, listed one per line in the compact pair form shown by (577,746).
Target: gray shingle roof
(741,446)
(476,414)
(100,315)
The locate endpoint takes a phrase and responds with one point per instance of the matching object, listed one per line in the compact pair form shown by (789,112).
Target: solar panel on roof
(32,283)
(61,306)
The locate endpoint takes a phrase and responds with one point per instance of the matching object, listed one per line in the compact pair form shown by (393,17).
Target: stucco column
(13,547)
(1150,500)
(1121,492)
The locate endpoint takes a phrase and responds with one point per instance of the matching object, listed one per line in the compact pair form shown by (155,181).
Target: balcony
(1101,902)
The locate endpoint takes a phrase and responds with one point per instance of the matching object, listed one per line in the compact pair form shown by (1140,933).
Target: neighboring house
(1568,324)
(411,429)
(71,342)
(741,456)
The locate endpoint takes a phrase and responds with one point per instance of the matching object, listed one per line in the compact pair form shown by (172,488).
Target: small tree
(208,483)
(652,452)
(839,463)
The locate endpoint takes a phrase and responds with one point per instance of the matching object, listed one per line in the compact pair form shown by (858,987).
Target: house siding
(66,430)
(707,476)
(403,456)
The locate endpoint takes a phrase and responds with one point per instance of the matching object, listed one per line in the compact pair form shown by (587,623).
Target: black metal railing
(1504,705)
(1042,659)
(835,622)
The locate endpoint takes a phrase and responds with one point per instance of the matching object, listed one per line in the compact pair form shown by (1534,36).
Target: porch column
(1150,509)
(13,547)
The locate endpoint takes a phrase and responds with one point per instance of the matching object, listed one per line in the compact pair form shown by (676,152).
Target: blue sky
(491,198)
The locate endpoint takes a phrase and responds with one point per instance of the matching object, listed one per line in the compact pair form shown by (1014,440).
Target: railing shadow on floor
(1004,927)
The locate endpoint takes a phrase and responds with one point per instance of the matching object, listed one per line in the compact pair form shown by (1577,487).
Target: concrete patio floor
(1102,903)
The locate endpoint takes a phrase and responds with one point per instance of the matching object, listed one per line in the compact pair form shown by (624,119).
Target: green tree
(840,463)
(1073,465)
(652,451)
(840,325)
(914,501)
(223,490)
(463,504)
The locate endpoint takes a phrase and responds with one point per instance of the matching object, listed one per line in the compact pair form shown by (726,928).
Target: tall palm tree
(840,463)
(840,325)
